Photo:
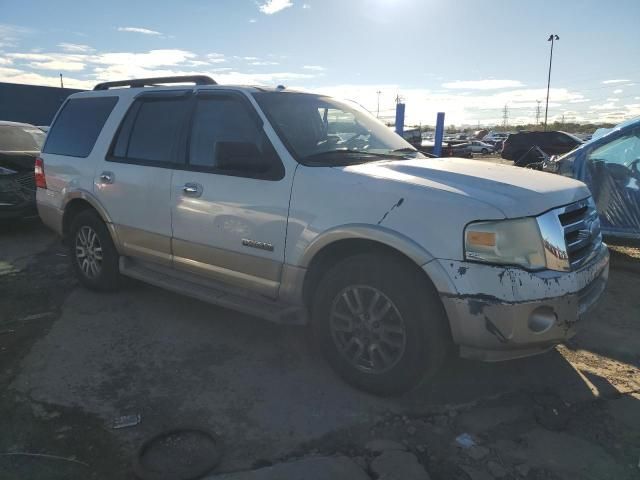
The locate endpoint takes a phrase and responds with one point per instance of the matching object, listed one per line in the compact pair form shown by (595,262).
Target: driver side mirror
(241,157)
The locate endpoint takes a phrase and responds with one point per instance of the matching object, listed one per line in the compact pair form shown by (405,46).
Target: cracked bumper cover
(495,312)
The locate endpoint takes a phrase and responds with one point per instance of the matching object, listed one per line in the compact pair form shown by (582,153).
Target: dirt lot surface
(73,361)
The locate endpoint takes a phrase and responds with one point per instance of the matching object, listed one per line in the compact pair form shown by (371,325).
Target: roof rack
(151,82)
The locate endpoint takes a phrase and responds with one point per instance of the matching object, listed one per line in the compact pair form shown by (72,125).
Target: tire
(416,354)
(484,151)
(93,255)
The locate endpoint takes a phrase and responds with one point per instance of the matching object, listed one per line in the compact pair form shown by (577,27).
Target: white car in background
(480,147)
(495,137)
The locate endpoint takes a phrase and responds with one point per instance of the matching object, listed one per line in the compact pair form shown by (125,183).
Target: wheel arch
(342,242)
(80,201)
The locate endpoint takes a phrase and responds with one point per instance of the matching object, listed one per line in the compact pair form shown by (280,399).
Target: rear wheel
(94,256)
(379,323)
(484,151)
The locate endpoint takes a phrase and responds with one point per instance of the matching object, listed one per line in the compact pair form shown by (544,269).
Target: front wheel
(484,151)
(94,256)
(380,324)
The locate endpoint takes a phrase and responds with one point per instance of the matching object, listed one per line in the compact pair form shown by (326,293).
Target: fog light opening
(542,319)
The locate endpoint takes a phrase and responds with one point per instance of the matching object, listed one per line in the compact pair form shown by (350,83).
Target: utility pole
(538,112)
(505,116)
(562,122)
(61,83)
(553,37)
(378,109)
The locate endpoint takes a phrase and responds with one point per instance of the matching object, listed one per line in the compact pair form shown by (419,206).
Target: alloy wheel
(88,251)
(367,329)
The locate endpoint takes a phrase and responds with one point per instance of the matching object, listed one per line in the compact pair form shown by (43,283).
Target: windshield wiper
(314,157)
(405,150)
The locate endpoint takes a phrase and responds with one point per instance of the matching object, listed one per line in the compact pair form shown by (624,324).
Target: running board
(208,291)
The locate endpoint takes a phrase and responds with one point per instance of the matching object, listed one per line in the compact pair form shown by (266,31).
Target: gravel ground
(73,360)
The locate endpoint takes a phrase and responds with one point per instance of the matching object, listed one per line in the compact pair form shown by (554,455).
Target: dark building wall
(31,103)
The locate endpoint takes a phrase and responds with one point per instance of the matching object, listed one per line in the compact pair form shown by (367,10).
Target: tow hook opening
(542,319)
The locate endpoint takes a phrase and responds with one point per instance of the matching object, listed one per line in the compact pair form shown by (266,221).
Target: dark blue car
(610,166)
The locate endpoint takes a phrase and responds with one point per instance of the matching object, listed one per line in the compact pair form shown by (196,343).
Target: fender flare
(88,197)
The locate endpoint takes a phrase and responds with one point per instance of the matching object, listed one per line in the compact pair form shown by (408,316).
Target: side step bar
(207,291)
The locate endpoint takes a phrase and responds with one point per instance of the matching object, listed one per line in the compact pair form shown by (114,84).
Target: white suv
(300,208)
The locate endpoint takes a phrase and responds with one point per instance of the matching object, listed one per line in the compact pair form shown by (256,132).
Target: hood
(18,161)
(517,192)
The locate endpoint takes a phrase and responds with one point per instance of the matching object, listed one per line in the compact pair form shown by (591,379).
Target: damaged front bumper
(500,313)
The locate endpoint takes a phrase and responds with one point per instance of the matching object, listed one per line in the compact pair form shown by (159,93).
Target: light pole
(553,37)
(378,109)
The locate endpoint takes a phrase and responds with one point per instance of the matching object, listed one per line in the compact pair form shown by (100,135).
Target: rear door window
(152,131)
(77,126)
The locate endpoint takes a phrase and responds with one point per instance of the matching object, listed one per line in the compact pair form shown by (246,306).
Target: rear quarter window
(77,126)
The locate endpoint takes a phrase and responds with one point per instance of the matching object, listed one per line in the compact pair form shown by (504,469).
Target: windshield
(20,139)
(323,130)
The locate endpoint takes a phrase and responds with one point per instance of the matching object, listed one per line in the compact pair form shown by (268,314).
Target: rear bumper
(514,313)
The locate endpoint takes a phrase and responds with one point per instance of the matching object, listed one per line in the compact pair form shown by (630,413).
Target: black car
(20,144)
(517,145)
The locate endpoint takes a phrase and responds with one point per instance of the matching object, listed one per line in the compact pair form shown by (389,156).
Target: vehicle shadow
(466,381)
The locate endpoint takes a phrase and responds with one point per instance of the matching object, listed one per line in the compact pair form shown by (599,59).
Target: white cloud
(605,106)
(252,20)
(607,82)
(423,104)
(75,48)
(216,58)
(488,84)
(5,61)
(263,63)
(274,6)
(9,34)
(315,68)
(144,31)
(618,90)
(140,65)
(52,61)
(58,65)
(306,6)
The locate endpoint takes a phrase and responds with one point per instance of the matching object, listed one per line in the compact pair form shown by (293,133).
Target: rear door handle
(107,178)
(192,189)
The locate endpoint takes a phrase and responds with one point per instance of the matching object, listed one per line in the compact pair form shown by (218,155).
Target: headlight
(6,171)
(506,242)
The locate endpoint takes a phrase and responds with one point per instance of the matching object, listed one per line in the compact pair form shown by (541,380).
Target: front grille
(581,231)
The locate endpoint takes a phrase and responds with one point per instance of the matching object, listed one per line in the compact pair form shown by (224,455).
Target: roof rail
(150,82)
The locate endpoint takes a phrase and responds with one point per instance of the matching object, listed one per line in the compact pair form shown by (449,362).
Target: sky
(467,58)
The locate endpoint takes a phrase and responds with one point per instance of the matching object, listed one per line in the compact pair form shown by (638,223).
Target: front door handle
(192,189)
(107,178)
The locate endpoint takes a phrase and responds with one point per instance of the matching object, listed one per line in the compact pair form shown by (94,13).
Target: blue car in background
(610,166)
